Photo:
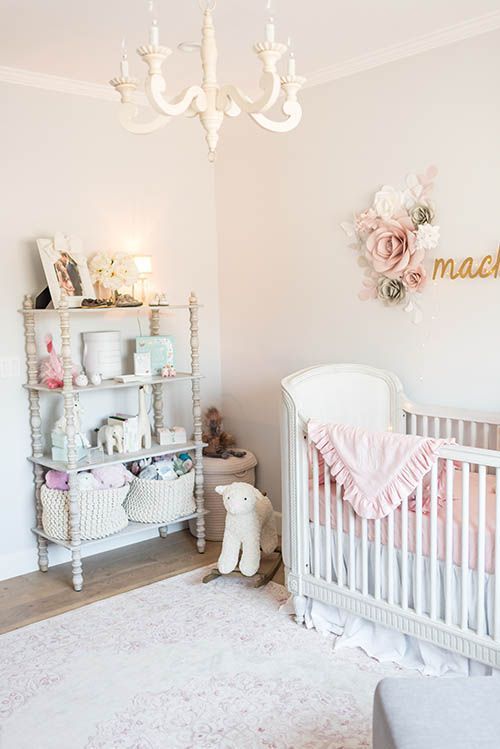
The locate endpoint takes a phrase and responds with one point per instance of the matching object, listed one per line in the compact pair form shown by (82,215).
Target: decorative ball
(82,380)
(96,379)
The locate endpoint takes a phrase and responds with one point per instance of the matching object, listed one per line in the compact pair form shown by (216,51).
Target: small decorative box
(60,447)
(173,436)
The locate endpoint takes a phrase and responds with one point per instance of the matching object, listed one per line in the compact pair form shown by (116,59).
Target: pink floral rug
(177,665)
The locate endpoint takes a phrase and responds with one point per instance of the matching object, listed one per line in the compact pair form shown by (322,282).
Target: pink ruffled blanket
(376,469)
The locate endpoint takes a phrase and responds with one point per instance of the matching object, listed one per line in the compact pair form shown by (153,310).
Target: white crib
(432,575)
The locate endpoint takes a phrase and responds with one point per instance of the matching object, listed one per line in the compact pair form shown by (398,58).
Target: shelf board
(107,310)
(113,385)
(106,460)
(132,529)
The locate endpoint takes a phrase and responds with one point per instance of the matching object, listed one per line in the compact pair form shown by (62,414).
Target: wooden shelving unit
(43,462)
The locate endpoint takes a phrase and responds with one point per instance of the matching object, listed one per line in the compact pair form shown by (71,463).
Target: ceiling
(81,40)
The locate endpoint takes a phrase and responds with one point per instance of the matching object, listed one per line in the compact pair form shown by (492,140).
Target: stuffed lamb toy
(249,525)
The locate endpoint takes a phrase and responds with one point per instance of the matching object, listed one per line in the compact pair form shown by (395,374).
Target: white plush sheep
(249,526)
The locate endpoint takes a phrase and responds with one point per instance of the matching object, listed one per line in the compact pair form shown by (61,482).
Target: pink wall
(289,282)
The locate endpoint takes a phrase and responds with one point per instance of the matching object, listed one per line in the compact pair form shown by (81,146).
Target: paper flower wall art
(393,238)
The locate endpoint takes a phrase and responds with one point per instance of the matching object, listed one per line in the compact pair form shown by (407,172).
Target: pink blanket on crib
(376,469)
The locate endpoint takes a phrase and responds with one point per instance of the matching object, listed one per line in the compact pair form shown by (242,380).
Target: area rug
(179,664)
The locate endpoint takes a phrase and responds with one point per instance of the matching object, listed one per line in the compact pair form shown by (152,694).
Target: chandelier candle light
(210,102)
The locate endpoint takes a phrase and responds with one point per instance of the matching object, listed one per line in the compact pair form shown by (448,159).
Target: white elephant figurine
(111,437)
(249,526)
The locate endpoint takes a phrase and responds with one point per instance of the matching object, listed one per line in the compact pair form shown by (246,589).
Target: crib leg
(299,604)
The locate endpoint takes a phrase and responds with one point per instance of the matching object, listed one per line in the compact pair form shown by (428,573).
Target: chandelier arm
(230,97)
(191,98)
(293,111)
(127,117)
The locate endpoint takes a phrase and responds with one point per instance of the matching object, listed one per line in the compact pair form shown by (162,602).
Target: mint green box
(161,348)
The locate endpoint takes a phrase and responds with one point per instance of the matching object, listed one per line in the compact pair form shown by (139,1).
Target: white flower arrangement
(114,271)
(393,237)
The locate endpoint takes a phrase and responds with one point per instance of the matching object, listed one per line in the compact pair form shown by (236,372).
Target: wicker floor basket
(222,471)
(160,501)
(101,512)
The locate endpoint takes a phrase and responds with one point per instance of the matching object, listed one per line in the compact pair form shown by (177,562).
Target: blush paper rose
(415,278)
(391,246)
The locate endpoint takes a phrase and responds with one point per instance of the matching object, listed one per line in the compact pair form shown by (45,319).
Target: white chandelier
(210,102)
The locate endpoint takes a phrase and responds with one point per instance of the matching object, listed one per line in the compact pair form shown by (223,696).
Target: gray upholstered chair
(444,713)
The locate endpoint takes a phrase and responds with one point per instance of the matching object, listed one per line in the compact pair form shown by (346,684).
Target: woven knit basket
(101,512)
(151,501)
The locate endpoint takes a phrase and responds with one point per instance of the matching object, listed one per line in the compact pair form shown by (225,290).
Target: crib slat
(328,526)
(465,546)
(418,548)
(448,601)
(404,553)
(364,556)
(315,478)
(390,558)
(377,559)
(340,547)
(425,426)
(352,549)
(433,609)
(486,436)
(413,424)
(437,426)
(460,432)
(497,557)
(473,433)
(449,427)
(481,533)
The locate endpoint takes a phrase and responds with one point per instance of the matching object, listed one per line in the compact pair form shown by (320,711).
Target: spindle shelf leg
(69,413)
(35,422)
(197,423)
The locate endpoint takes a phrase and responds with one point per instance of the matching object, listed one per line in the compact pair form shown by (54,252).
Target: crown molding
(56,83)
(441,38)
(417,45)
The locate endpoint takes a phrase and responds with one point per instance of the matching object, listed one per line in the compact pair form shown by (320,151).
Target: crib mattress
(426,523)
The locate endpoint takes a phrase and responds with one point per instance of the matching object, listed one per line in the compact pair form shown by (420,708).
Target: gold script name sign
(468,268)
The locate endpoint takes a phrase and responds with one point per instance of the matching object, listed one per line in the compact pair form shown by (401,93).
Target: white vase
(102,353)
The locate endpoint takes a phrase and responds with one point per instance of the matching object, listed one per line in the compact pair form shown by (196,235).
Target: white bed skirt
(387,644)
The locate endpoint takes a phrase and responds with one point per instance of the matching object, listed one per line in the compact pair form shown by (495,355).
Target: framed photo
(66,269)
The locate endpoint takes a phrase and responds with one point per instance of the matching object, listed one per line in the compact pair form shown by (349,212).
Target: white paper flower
(126,270)
(100,267)
(427,237)
(387,202)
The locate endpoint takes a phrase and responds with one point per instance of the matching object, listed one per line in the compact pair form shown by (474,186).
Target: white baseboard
(25,561)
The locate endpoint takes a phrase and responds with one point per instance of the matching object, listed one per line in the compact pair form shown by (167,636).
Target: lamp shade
(144,264)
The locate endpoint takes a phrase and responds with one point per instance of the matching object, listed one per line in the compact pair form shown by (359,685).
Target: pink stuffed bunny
(57,480)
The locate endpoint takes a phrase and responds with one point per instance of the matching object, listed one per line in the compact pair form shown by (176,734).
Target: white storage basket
(151,501)
(101,512)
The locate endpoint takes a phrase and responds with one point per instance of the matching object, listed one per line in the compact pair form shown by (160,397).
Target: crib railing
(425,565)
(467,428)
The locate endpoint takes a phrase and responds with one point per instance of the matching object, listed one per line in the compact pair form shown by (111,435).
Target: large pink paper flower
(391,246)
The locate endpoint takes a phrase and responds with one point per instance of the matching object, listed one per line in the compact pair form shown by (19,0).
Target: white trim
(417,45)
(61,85)
(57,83)
(441,38)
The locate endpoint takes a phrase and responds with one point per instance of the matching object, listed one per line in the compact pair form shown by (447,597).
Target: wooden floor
(30,598)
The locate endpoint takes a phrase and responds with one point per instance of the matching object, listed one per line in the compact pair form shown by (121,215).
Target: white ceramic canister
(102,353)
